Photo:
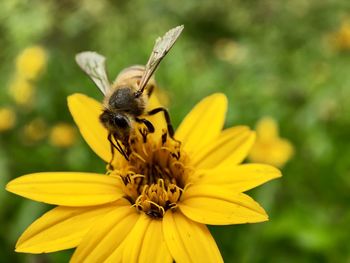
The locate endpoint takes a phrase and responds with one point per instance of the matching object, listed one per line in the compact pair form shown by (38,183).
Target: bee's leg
(110,166)
(148,124)
(167,119)
(121,150)
(118,147)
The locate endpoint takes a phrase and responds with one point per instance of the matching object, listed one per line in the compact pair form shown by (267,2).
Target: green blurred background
(286,59)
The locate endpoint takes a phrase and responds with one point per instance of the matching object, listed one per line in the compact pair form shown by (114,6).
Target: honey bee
(125,100)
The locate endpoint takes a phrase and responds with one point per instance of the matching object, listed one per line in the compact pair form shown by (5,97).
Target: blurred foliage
(286,59)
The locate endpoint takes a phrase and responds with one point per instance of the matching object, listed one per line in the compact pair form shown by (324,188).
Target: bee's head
(116,122)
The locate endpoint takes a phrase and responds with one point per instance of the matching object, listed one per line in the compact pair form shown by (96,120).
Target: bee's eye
(121,121)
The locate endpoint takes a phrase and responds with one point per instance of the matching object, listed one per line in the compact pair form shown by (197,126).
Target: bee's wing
(160,49)
(93,64)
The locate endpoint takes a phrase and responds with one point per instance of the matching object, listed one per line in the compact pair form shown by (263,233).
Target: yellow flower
(229,50)
(22,91)
(341,38)
(34,131)
(269,148)
(62,135)
(154,207)
(7,119)
(31,62)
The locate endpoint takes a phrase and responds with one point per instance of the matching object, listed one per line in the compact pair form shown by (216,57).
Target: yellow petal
(107,235)
(134,242)
(203,124)
(117,255)
(239,178)
(146,243)
(153,102)
(232,147)
(60,228)
(189,241)
(215,205)
(158,120)
(67,188)
(152,249)
(275,152)
(154,246)
(86,112)
(267,129)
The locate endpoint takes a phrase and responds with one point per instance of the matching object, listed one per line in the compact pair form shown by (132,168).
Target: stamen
(156,173)
(144,150)
(138,156)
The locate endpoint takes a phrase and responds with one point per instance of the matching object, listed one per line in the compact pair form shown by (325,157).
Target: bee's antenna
(160,49)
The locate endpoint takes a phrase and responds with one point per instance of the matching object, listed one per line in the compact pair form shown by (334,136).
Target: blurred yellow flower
(340,39)
(63,135)
(31,62)
(34,131)
(7,119)
(155,206)
(22,91)
(269,148)
(229,50)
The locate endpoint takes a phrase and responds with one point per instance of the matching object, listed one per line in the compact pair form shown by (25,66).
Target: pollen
(156,173)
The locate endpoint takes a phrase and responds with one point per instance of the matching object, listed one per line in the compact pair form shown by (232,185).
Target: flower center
(156,173)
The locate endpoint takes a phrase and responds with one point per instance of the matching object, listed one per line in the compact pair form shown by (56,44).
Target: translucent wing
(93,64)
(160,49)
